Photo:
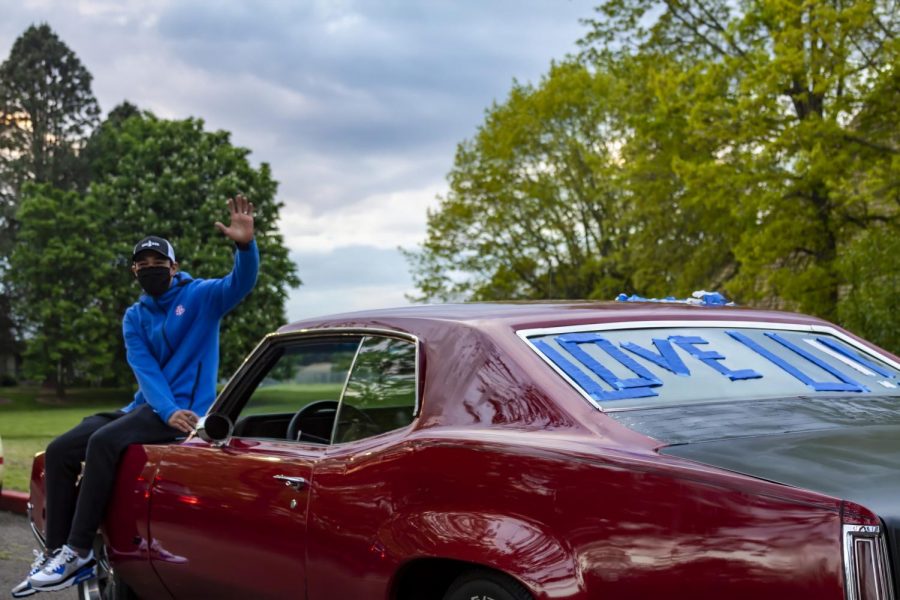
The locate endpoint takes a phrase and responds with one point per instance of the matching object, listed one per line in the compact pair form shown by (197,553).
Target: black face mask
(154,280)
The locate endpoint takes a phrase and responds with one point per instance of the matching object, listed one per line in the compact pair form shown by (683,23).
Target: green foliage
(533,209)
(870,268)
(794,106)
(713,144)
(171,178)
(61,267)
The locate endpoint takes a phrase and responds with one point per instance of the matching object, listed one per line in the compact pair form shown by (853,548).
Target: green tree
(870,267)
(794,105)
(61,265)
(171,178)
(535,203)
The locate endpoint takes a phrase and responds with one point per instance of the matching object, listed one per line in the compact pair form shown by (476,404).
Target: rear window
(625,368)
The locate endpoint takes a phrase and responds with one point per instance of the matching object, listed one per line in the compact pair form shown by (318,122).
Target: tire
(482,584)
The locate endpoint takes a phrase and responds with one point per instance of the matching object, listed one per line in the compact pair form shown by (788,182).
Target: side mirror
(215,429)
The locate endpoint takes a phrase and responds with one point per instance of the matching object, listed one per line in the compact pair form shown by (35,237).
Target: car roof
(532,315)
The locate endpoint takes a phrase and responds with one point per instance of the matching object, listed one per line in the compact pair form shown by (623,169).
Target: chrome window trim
(337,411)
(526,334)
(873,533)
(330,332)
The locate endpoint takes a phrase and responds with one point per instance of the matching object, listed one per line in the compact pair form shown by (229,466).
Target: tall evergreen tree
(47,111)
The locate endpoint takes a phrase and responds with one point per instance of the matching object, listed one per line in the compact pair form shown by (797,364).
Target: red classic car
(525,451)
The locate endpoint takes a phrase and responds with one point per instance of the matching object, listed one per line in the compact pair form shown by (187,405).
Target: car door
(362,476)
(230,520)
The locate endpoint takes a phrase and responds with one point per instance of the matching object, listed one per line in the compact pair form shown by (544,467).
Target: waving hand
(240,230)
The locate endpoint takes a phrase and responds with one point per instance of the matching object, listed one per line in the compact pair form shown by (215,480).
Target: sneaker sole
(24,593)
(83,574)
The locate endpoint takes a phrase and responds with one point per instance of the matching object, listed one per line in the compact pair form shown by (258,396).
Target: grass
(33,417)
(288,397)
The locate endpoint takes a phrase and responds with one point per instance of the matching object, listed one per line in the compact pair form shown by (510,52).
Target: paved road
(16,543)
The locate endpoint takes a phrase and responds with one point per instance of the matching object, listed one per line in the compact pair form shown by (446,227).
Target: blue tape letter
(711,357)
(820,386)
(571,343)
(667,358)
(585,382)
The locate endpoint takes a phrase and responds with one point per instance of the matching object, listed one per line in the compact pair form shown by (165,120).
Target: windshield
(628,368)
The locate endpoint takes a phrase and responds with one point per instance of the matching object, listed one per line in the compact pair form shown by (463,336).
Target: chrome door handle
(297,483)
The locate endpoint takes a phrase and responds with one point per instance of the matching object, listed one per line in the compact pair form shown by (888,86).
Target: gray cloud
(358,105)
(387,75)
(352,266)
(348,278)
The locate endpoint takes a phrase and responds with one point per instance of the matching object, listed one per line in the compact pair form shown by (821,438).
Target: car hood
(848,448)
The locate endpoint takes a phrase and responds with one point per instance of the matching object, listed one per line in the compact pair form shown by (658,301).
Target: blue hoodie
(172,341)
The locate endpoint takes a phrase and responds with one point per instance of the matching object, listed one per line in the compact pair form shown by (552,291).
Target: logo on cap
(155,244)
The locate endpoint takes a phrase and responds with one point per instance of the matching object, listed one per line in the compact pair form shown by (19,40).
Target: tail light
(867,572)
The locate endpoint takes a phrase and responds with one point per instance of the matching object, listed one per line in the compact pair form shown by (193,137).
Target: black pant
(74,516)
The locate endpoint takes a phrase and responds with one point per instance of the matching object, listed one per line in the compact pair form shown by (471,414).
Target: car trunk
(848,448)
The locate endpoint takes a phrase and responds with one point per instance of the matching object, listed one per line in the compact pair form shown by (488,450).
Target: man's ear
(134,269)
(174,268)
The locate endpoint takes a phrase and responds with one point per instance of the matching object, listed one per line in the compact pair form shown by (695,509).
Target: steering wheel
(319,406)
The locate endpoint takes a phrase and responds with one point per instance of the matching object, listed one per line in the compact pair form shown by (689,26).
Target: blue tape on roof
(700,298)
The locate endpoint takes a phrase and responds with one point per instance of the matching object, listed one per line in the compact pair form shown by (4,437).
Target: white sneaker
(24,588)
(65,568)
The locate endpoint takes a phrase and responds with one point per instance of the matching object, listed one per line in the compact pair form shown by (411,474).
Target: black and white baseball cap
(155,244)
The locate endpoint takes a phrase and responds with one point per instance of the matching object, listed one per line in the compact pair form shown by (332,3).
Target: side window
(381,390)
(297,397)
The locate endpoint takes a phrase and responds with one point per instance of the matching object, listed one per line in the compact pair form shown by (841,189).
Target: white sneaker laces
(39,558)
(62,557)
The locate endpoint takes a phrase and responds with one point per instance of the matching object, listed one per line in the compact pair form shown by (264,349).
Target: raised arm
(232,288)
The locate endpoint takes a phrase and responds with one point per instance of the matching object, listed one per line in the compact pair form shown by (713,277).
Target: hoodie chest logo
(179,310)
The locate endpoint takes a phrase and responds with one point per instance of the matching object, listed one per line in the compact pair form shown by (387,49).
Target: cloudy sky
(357,104)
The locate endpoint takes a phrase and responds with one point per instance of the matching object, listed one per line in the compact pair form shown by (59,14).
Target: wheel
(482,584)
(106,585)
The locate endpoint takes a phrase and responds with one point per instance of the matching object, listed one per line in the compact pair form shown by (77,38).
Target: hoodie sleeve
(146,370)
(231,289)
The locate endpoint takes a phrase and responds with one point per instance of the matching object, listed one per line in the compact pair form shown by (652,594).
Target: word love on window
(702,364)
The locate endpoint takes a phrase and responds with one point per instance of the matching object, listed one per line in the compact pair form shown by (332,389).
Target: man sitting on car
(172,343)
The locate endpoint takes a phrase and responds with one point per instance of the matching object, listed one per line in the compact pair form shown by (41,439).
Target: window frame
(238,389)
